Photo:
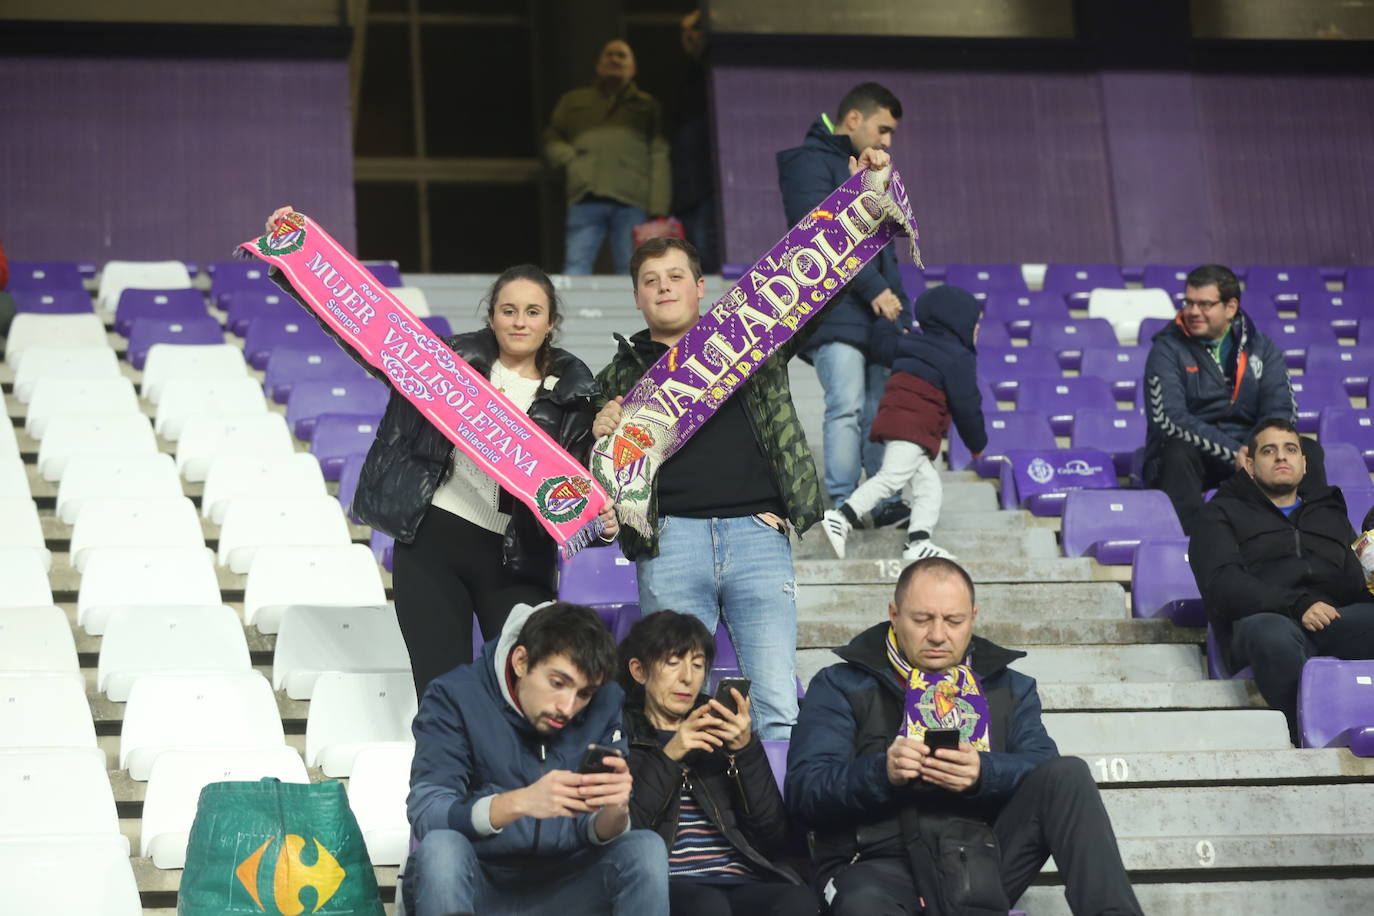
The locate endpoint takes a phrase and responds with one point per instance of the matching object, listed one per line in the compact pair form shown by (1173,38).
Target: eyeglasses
(1203,304)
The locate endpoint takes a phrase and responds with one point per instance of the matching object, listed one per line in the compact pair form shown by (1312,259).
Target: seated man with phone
(922,768)
(504,823)
(702,779)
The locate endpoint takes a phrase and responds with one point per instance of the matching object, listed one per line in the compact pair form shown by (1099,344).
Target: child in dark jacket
(934,379)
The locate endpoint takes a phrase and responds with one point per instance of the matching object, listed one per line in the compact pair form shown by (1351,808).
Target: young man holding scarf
(878,805)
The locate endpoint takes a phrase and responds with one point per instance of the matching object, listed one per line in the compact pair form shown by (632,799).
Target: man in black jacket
(867,117)
(1276,571)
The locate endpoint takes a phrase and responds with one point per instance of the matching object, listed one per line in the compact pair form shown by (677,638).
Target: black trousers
(451,571)
(1184,473)
(756,898)
(1057,811)
(1277,646)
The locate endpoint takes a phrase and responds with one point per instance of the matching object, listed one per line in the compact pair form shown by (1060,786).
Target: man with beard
(1276,571)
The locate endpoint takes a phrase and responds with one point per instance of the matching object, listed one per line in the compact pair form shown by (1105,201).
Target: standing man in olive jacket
(1276,572)
(609,137)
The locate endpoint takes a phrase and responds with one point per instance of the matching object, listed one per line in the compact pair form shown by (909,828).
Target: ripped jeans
(739,571)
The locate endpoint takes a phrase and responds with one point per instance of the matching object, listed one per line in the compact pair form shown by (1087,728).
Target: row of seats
(1079,279)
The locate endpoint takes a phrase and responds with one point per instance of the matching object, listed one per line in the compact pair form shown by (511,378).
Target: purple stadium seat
(1007,430)
(1217,667)
(1345,467)
(1358,501)
(439,325)
(1315,392)
(243,305)
(289,365)
(383,548)
(913,279)
(1349,424)
(1162,583)
(310,398)
(228,277)
(1169,277)
(1019,309)
(338,435)
(1294,337)
(985,277)
(1004,367)
(1282,283)
(1121,367)
(1352,364)
(1357,279)
(1342,311)
(777,760)
(162,304)
(1059,398)
(348,483)
(149,331)
(1117,432)
(1075,281)
(387,273)
(1068,339)
(601,578)
(726,659)
(1040,481)
(993,334)
(1336,703)
(1108,524)
(1149,327)
(266,333)
(52,301)
(45,275)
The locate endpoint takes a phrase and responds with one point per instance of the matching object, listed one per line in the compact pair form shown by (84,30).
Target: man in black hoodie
(1276,571)
(852,381)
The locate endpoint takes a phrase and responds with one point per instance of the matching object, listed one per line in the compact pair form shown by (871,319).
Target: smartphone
(592,760)
(723,695)
(942,737)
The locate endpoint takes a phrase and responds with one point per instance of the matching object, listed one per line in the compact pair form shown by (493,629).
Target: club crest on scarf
(949,699)
(289,236)
(561,499)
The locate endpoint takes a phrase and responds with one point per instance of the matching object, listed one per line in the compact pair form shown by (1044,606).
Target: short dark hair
(660,636)
(867,98)
(1272,423)
(572,630)
(1223,278)
(657,248)
(932,566)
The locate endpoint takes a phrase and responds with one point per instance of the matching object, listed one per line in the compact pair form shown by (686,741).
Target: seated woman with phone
(701,777)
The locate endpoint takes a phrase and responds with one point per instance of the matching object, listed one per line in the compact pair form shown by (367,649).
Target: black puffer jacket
(1249,558)
(735,790)
(410,457)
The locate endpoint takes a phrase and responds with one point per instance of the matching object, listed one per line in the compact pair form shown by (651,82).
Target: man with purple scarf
(880,803)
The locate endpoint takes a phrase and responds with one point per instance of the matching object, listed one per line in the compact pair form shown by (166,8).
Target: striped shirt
(700,851)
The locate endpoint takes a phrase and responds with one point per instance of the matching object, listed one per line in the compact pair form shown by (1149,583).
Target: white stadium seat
(377,794)
(63,362)
(33,330)
(351,710)
(205,438)
(169,640)
(14,477)
(45,709)
(130,477)
(117,276)
(171,711)
(36,639)
(23,578)
(184,398)
(21,528)
(413,298)
(232,476)
(314,640)
(167,362)
(112,521)
(1126,308)
(57,397)
(56,792)
(9,442)
(144,577)
(37,874)
(66,437)
(345,576)
(251,522)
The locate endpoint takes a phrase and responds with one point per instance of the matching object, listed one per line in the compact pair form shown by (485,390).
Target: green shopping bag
(277,848)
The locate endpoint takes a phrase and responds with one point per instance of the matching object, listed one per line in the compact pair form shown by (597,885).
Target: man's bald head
(933,566)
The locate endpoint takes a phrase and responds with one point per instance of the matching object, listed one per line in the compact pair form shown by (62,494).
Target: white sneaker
(836,528)
(920,550)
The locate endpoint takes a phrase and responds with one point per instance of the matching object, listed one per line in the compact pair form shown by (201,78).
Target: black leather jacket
(410,457)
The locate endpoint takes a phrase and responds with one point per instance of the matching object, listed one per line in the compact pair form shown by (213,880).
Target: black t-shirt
(721,472)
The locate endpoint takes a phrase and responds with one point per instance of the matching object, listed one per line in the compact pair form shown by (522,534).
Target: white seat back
(45,709)
(1126,308)
(346,575)
(314,640)
(232,476)
(377,794)
(36,639)
(112,521)
(131,477)
(349,710)
(26,578)
(29,329)
(32,867)
(56,792)
(55,397)
(251,522)
(183,398)
(168,640)
(68,436)
(117,276)
(144,577)
(20,526)
(205,437)
(42,361)
(413,298)
(198,361)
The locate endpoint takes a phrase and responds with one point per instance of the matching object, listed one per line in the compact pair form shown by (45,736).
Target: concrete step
(1084,733)
(998,603)
(817,634)
(964,543)
(1159,696)
(984,571)
(1317,896)
(1230,767)
(1218,812)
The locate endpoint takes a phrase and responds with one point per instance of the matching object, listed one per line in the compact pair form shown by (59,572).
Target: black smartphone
(592,760)
(727,699)
(942,737)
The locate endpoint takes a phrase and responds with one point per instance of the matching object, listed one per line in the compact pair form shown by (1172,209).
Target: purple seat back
(1171,278)
(44,275)
(162,304)
(1004,367)
(338,435)
(1020,309)
(1149,327)
(53,301)
(1076,281)
(1162,583)
(146,332)
(1218,669)
(266,333)
(1345,467)
(1109,524)
(726,658)
(227,277)
(1358,500)
(383,548)
(1121,367)
(1315,392)
(348,483)
(243,305)
(386,272)
(1352,364)
(1041,480)
(310,398)
(1117,432)
(1341,310)
(1358,279)
(1060,398)
(1007,430)
(439,325)
(985,277)
(597,576)
(289,365)
(1280,282)
(777,760)
(1352,425)
(1335,700)
(1294,337)
(1068,339)
(993,334)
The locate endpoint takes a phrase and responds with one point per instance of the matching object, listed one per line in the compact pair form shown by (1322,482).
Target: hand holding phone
(936,738)
(727,699)
(594,760)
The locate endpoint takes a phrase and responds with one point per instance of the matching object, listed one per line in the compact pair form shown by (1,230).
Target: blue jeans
(852,388)
(738,569)
(589,222)
(628,876)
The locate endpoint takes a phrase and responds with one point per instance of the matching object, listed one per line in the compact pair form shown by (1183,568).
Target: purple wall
(1121,166)
(161,159)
